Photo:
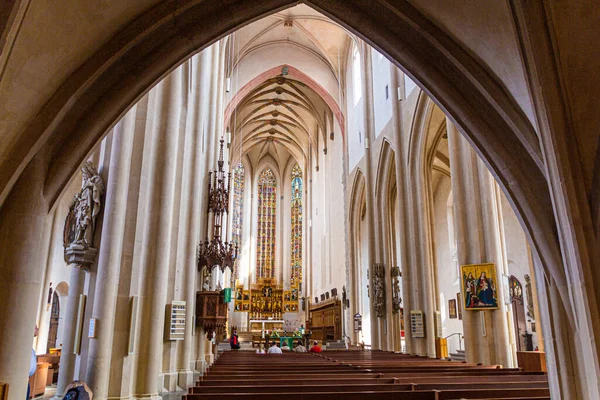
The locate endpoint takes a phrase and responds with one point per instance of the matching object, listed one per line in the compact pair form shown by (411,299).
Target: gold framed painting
(452,309)
(479,286)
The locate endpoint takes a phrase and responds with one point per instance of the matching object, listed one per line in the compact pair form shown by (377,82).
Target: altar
(266,325)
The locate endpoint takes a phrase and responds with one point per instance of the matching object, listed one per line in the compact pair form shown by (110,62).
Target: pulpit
(211,312)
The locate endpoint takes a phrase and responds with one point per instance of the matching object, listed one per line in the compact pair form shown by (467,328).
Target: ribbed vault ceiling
(280,117)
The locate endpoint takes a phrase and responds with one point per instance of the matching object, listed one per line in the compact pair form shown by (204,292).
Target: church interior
(411,187)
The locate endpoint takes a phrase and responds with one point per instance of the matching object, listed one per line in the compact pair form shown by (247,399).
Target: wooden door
(519,322)
(518,308)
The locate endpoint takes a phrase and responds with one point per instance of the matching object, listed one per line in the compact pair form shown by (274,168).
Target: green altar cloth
(289,340)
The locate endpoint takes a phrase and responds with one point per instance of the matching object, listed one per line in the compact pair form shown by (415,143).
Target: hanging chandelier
(214,252)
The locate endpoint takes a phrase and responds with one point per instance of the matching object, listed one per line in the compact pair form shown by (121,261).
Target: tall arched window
(267,198)
(296,237)
(356,76)
(238,213)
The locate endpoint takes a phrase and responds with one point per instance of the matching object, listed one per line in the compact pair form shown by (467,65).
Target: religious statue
(88,204)
(378,297)
(206,285)
(78,236)
(529,292)
(396,299)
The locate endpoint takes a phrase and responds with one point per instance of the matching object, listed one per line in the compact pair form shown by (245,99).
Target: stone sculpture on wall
(378,297)
(529,292)
(396,299)
(80,224)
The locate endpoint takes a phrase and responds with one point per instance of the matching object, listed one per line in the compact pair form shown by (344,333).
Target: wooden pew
(358,375)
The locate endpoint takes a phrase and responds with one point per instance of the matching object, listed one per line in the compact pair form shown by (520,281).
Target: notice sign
(417,324)
(357,322)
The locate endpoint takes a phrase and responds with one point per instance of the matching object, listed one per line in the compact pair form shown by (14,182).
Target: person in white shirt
(285,347)
(274,349)
(260,350)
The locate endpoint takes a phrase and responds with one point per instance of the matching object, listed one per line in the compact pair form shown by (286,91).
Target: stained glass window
(238,213)
(267,197)
(296,238)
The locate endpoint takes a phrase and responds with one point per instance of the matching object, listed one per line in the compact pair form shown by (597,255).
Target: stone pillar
(67,356)
(121,361)
(200,358)
(206,144)
(477,229)
(109,259)
(189,224)
(22,219)
(536,304)
(374,250)
(397,81)
(165,111)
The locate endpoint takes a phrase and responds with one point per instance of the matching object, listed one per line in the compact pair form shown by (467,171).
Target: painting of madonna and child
(479,286)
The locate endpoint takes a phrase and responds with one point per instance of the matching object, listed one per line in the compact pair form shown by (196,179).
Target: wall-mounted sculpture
(529,292)
(396,299)
(80,224)
(378,296)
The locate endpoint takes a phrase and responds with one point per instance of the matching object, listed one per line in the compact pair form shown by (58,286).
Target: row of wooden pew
(353,375)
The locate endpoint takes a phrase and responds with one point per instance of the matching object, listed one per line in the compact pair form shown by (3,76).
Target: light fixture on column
(215,252)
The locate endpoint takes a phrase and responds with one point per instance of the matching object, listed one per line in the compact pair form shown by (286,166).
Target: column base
(185,379)
(210,359)
(201,367)
(170,381)
(146,397)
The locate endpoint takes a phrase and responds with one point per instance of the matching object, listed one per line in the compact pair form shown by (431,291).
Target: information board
(417,324)
(175,321)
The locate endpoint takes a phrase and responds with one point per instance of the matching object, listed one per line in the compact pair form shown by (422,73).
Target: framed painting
(452,309)
(479,286)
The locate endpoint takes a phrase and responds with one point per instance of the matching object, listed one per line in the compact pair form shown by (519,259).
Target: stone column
(536,304)
(122,362)
(109,259)
(374,249)
(476,226)
(67,357)
(206,144)
(397,81)
(189,224)
(165,111)
(22,219)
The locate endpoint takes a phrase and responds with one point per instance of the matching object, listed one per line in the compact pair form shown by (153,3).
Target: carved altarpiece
(378,296)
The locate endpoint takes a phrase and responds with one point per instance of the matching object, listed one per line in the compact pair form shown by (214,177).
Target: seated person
(274,349)
(300,347)
(260,349)
(234,341)
(316,348)
(285,347)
